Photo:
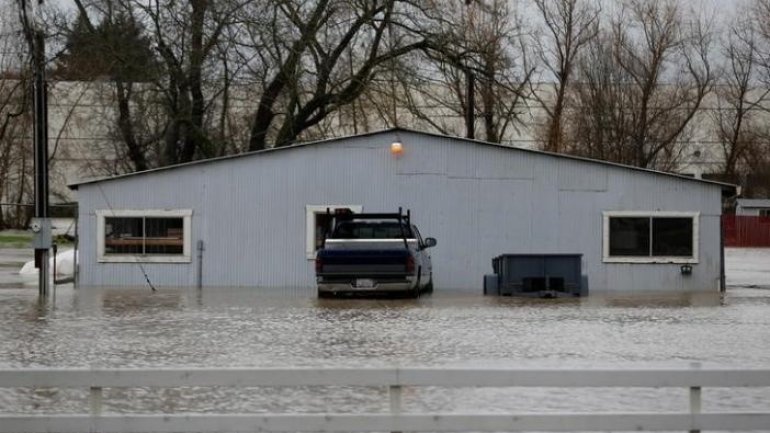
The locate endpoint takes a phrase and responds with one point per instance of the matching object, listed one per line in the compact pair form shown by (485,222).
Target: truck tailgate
(363,262)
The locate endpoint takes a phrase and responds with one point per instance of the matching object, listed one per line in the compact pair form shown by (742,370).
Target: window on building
(665,237)
(144,235)
(764,212)
(318,223)
(370,230)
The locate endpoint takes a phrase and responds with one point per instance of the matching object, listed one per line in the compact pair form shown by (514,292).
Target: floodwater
(269,328)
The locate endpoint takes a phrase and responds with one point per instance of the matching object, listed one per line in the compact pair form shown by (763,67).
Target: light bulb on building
(396,149)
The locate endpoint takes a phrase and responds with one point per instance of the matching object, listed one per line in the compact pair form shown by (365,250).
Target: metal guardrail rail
(394,379)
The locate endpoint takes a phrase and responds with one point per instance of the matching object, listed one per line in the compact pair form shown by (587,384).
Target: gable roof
(75,185)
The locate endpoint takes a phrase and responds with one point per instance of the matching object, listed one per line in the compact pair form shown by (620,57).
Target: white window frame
(651,259)
(311,211)
(185,214)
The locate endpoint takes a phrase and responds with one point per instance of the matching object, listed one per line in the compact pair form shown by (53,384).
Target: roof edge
(74,185)
(725,186)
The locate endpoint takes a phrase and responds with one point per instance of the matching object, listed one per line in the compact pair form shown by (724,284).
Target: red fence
(746,231)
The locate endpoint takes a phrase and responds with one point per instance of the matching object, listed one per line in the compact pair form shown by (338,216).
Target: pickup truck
(374,253)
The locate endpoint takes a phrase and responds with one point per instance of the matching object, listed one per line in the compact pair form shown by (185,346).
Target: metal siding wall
(478,201)
(163,190)
(573,177)
(630,190)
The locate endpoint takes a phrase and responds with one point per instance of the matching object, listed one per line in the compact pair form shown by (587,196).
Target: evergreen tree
(117,50)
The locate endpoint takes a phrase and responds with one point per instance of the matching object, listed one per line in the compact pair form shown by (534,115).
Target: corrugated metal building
(256,214)
(752,207)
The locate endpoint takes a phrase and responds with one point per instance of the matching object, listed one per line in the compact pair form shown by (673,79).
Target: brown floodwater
(135,327)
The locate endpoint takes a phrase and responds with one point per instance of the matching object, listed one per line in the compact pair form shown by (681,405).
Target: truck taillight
(410,265)
(319,264)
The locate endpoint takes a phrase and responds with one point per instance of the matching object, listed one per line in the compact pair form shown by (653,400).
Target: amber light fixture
(396,149)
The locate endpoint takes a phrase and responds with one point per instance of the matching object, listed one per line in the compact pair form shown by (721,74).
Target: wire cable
(112,211)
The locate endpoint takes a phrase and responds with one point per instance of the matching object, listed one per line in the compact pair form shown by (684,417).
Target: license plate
(364,283)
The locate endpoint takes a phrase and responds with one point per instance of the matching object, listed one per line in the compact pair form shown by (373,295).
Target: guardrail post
(394,391)
(96,400)
(695,396)
(695,402)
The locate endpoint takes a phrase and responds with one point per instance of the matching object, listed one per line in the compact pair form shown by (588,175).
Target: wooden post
(394,392)
(695,396)
(96,400)
(695,402)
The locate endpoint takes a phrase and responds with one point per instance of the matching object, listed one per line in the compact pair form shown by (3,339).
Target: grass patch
(23,239)
(15,239)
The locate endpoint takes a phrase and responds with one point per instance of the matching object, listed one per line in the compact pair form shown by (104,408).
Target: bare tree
(739,100)
(486,40)
(300,53)
(760,12)
(756,165)
(15,120)
(600,125)
(665,93)
(187,35)
(184,76)
(504,72)
(114,59)
(569,26)
(650,74)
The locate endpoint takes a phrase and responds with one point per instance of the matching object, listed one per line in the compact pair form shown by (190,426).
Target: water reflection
(659,300)
(140,302)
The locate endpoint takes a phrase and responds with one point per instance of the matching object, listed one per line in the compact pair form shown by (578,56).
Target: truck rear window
(370,230)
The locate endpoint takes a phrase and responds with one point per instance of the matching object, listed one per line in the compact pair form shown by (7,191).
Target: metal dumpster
(540,275)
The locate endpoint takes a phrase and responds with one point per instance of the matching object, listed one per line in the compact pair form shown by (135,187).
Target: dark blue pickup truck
(374,253)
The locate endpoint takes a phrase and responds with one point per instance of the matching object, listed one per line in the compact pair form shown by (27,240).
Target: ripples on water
(269,328)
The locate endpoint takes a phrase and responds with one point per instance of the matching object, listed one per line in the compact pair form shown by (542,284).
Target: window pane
(629,236)
(672,237)
(393,231)
(123,235)
(371,230)
(164,235)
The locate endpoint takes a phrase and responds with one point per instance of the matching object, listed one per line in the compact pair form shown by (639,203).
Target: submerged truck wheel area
(374,253)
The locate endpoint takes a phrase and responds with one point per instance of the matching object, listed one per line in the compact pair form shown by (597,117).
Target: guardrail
(394,379)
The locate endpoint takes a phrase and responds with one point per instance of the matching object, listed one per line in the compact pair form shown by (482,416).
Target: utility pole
(41,224)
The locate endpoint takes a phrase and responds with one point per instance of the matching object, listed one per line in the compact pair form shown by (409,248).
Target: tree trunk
(194,134)
(135,153)
(554,143)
